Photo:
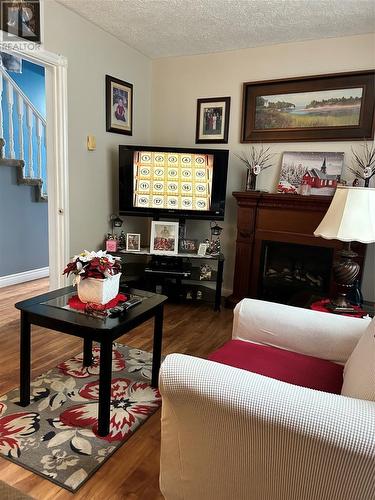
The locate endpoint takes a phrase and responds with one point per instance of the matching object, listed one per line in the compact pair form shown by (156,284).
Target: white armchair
(229,434)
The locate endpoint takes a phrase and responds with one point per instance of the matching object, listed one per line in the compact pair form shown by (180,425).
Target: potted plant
(97,276)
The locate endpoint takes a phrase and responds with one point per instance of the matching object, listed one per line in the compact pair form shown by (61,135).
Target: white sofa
(229,434)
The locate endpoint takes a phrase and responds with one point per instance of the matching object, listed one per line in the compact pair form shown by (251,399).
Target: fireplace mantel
(285,218)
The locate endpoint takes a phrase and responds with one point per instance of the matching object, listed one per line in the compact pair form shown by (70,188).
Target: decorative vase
(98,291)
(251,180)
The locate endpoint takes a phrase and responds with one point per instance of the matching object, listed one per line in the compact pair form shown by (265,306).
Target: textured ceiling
(160,28)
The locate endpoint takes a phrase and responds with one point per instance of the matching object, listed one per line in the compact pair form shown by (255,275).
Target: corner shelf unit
(177,276)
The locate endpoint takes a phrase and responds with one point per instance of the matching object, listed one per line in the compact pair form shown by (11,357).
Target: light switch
(91,143)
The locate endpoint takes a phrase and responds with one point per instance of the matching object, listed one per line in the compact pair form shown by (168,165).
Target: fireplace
(289,270)
(277,255)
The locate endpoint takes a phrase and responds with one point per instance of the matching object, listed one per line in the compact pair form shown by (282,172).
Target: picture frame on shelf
(188,246)
(164,238)
(119,106)
(133,242)
(202,250)
(310,172)
(212,120)
(337,106)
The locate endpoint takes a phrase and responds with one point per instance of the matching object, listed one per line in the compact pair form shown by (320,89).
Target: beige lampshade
(350,216)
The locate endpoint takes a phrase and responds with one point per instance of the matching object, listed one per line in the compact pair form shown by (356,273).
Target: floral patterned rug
(55,436)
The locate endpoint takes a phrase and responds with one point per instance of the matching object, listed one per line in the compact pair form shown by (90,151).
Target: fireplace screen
(289,270)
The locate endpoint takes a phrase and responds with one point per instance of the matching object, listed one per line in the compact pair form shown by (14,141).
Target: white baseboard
(14,279)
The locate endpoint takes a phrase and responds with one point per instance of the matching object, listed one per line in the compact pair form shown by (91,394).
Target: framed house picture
(119,106)
(164,238)
(212,120)
(304,172)
(338,106)
(20,19)
(133,242)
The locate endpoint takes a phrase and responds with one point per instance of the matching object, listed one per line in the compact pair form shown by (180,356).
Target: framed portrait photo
(338,106)
(164,238)
(133,242)
(119,106)
(212,120)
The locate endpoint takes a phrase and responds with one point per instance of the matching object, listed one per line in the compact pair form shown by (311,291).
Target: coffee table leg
(105,387)
(87,352)
(156,352)
(25,354)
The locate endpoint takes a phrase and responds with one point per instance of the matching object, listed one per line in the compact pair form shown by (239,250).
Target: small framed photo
(133,242)
(212,120)
(119,106)
(164,238)
(202,249)
(188,246)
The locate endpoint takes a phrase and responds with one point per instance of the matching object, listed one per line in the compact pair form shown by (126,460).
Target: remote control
(116,311)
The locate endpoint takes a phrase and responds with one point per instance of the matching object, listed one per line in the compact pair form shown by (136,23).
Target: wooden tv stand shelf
(148,270)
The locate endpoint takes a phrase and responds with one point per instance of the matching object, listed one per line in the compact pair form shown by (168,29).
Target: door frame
(56,67)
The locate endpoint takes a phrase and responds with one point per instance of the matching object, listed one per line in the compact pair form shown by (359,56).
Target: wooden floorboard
(132,473)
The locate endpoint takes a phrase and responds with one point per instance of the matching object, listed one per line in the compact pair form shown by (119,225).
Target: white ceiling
(161,28)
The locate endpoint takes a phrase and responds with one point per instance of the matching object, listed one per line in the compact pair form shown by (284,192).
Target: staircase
(22,137)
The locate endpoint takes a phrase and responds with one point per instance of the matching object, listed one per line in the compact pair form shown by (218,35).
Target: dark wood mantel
(286,218)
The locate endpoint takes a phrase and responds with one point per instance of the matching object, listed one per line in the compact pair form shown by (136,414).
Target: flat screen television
(172,182)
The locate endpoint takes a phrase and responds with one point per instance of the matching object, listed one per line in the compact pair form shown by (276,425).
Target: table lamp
(350,217)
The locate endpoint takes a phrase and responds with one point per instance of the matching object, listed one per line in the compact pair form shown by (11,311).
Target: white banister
(10,103)
(20,126)
(29,124)
(39,127)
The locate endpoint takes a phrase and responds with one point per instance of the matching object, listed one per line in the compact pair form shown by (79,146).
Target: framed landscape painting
(212,120)
(119,106)
(326,107)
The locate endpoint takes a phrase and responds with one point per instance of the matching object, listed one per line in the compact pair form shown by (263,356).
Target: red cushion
(291,367)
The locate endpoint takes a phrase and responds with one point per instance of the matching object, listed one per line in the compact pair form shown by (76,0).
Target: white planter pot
(98,291)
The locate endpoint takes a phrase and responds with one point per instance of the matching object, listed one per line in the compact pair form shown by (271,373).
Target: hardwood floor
(132,473)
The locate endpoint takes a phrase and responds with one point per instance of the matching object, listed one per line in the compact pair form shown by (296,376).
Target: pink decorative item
(111,245)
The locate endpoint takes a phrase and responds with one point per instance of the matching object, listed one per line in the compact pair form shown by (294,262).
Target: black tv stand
(177,276)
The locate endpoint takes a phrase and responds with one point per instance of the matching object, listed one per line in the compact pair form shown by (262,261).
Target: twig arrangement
(256,160)
(364,163)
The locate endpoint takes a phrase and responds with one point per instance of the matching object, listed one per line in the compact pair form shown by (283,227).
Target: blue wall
(23,221)
(23,226)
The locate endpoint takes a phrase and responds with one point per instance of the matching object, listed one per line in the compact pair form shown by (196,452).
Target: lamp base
(345,272)
(333,308)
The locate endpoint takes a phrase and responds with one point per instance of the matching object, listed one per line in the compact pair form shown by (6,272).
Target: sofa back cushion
(359,371)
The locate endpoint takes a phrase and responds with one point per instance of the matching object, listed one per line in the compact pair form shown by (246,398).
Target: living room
(176,60)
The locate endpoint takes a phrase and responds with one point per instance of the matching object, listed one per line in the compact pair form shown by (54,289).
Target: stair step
(28,181)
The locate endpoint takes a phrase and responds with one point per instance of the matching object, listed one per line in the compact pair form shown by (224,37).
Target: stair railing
(35,123)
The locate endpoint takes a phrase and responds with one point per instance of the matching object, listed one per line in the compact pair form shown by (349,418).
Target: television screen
(173,181)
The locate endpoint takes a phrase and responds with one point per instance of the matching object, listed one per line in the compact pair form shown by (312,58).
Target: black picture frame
(119,89)
(254,125)
(203,109)
(20,19)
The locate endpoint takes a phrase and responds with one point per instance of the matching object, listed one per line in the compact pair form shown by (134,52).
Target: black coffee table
(50,311)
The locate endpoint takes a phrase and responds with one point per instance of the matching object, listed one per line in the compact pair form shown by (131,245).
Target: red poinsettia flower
(131,403)
(74,366)
(13,428)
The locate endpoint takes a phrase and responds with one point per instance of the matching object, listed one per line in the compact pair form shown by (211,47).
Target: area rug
(55,436)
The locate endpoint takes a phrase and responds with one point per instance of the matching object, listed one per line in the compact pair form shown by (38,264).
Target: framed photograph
(164,238)
(310,172)
(119,106)
(133,242)
(202,249)
(332,107)
(212,120)
(20,19)
(188,246)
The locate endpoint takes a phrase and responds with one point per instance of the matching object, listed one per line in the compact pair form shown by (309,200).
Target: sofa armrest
(228,433)
(319,334)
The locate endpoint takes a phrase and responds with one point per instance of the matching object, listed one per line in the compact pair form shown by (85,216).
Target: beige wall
(179,81)
(91,54)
